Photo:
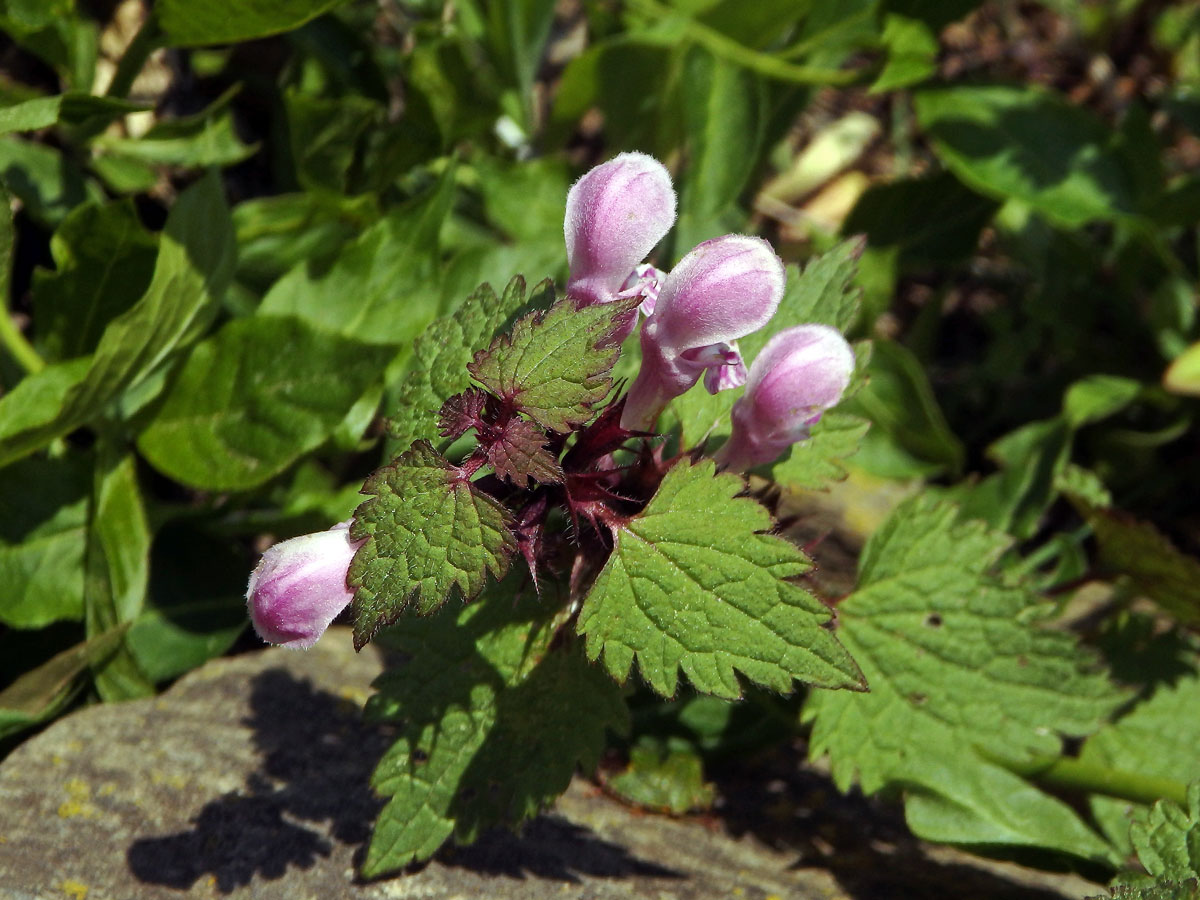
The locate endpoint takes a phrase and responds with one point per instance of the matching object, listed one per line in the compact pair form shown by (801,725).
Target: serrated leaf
(696,582)
(493,723)
(462,412)
(956,662)
(555,365)
(818,461)
(1168,839)
(824,293)
(428,530)
(1165,890)
(1157,738)
(441,354)
(519,453)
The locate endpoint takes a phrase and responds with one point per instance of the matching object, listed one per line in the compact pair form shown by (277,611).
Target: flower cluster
(720,291)
(692,318)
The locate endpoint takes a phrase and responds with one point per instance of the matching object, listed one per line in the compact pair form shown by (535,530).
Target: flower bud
(724,289)
(616,213)
(299,587)
(802,372)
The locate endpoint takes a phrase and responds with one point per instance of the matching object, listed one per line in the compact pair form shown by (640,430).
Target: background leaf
(194,265)
(240,411)
(225,21)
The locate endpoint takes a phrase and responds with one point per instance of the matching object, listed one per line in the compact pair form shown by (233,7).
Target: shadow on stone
(317,757)
(312,790)
(551,848)
(862,841)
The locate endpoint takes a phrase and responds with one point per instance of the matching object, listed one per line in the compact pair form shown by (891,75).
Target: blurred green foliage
(229,222)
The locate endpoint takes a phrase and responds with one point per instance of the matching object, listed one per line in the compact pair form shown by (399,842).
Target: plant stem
(1094,778)
(148,39)
(17,346)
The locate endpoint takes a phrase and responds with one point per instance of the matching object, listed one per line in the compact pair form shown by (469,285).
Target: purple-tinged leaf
(518,452)
(555,366)
(428,530)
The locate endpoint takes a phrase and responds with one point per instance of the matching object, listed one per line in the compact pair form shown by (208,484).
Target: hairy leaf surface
(696,582)
(957,664)
(493,723)
(428,530)
(441,354)
(555,366)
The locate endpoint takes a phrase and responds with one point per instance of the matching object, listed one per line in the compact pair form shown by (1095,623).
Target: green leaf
(899,400)
(724,111)
(493,723)
(276,233)
(1152,562)
(240,411)
(518,32)
(912,50)
(1158,737)
(1183,375)
(1168,839)
(207,138)
(70,108)
(554,365)
(663,779)
(104,260)
(48,183)
(1097,397)
(383,286)
(696,581)
(441,354)
(1163,890)
(1031,145)
(325,136)
(196,607)
(625,79)
(43,518)
(817,462)
(932,220)
(195,262)
(429,529)
(232,21)
(960,675)
(40,693)
(116,568)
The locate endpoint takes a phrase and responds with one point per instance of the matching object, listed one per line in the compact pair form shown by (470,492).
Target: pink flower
(299,587)
(616,213)
(724,289)
(802,372)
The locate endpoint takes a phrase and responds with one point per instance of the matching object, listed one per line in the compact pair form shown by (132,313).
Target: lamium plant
(584,527)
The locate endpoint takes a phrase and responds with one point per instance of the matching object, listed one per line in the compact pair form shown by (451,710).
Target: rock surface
(247,779)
